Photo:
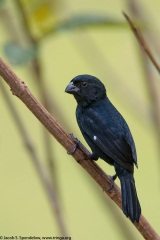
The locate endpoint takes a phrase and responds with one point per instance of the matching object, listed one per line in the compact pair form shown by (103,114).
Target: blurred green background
(47,43)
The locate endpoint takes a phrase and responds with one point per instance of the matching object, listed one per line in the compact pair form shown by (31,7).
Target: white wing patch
(95,138)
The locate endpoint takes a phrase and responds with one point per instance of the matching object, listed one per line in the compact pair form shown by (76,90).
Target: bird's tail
(130,203)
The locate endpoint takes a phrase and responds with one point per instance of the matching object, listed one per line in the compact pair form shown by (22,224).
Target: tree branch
(19,89)
(142,42)
(147,60)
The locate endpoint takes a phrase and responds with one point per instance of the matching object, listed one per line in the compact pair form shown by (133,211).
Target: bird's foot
(89,156)
(113,178)
(77,142)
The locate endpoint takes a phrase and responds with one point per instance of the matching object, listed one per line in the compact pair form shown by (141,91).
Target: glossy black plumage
(108,135)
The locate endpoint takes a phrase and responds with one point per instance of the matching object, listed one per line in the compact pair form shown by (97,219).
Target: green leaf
(17,54)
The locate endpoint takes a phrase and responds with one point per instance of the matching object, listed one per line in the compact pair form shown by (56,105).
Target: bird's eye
(84,84)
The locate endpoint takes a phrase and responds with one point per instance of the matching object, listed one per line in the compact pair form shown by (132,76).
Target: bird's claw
(75,146)
(73,149)
(113,178)
(89,156)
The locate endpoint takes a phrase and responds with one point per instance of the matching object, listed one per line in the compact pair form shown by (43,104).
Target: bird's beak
(71,88)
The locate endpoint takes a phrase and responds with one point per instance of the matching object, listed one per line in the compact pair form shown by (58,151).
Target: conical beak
(71,88)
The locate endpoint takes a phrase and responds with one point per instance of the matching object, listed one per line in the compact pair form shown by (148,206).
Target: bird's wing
(109,142)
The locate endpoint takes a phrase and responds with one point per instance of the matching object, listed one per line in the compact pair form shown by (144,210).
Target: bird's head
(86,89)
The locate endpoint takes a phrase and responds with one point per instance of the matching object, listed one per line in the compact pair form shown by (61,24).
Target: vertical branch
(38,77)
(42,173)
(47,143)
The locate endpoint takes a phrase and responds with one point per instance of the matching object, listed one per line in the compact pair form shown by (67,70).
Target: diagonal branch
(151,81)
(142,42)
(19,89)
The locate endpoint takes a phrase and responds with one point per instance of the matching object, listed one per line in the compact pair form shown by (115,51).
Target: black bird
(108,136)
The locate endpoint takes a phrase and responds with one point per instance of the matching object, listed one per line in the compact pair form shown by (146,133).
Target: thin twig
(150,79)
(142,42)
(19,89)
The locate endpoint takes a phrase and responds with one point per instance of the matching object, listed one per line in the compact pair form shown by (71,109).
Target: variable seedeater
(108,136)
